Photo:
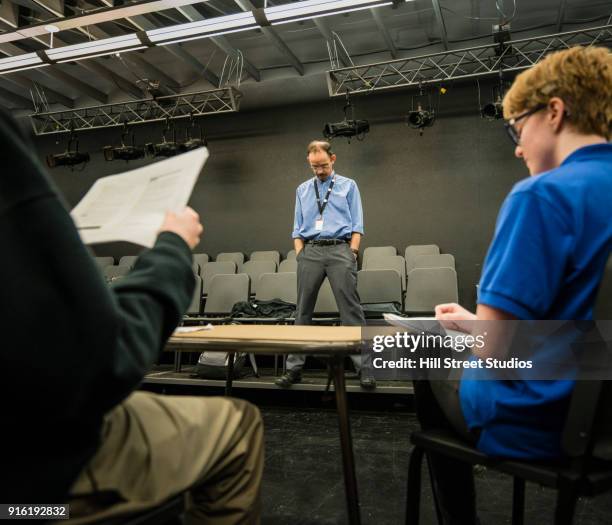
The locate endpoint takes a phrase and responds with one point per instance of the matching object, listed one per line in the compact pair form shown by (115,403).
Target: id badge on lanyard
(323,205)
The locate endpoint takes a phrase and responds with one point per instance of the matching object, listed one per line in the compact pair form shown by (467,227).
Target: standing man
(326,234)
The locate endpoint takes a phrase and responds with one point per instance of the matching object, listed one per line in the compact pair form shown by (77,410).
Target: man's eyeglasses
(320,167)
(515,136)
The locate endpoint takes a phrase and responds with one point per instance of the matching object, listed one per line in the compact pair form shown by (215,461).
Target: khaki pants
(154,447)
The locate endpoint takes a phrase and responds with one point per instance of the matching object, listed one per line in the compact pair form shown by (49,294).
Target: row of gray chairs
(238,258)
(427,287)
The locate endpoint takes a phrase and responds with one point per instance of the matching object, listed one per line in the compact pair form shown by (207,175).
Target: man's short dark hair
(319,145)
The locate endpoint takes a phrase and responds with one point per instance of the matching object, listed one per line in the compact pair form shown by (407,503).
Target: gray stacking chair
(326,308)
(112,273)
(215,268)
(196,268)
(288,265)
(128,260)
(226,290)
(443,260)
(103,262)
(254,269)
(379,286)
(271,255)
(195,307)
(419,249)
(378,251)
(236,257)
(290,255)
(428,287)
(388,262)
(201,259)
(281,286)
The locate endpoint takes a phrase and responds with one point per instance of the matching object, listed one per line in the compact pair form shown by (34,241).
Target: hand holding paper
(132,206)
(185,224)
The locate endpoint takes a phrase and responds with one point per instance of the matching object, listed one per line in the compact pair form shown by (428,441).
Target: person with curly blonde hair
(552,239)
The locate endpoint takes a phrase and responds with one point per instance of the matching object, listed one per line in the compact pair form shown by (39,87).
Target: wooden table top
(270,338)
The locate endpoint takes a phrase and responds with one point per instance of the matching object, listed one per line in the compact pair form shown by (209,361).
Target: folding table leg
(346,442)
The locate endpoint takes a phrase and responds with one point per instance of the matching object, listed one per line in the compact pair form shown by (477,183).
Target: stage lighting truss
(188,105)
(453,65)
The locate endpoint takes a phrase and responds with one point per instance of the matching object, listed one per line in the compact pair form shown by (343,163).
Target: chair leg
(566,504)
(518,501)
(413,491)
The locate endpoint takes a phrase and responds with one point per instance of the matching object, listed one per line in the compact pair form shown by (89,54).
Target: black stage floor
(303,483)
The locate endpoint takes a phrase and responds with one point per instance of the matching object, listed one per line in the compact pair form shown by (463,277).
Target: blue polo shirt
(552,239)
(342,216)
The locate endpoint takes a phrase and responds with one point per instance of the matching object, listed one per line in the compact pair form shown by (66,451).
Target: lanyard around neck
(323,205)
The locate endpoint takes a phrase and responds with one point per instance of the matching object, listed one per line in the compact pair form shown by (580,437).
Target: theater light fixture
(493,110)
(70,157)
(124,152)
(424,115)
(349,127)
(421,118)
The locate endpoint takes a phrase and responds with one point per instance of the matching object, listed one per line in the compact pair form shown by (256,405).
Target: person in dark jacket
(73,352)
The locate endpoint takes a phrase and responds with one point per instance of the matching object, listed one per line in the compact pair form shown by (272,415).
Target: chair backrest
(281,286)
(326,302)
(379,286)
(236,257)
(196,300)
(388,262)
(588,427)
(288,265)
(428,287)
(128,260)
(201,259)
(215,268)
(290,255)
(225,291)
(419,249)
(254,269)
(196,268)
(112,273)
(103,262)
(271,255)
(378,251)
(442,260)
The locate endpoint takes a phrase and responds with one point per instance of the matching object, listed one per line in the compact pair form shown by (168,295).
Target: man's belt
(327,242)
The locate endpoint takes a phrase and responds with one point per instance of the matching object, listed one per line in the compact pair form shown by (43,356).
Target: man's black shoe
(367,383)
(290,377)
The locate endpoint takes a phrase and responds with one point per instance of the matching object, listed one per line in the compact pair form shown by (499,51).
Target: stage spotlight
(163,149)
(349,127)
(192,142)
(421,118)
(70,157)
(346,128)
(124,152)
(492,110)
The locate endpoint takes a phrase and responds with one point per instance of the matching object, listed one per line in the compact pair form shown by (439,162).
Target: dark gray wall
(444,187)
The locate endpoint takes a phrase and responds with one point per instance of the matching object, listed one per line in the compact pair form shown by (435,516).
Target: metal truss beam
(196,104)
(440,20)
(453,65)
